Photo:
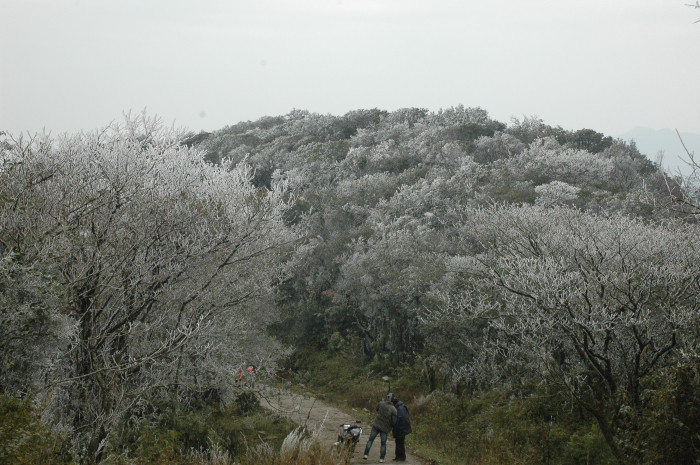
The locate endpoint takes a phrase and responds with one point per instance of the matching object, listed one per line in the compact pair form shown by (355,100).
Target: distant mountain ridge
(651,141)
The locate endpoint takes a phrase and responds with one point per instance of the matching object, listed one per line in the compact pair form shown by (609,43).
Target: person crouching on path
(383,423)
(401,428)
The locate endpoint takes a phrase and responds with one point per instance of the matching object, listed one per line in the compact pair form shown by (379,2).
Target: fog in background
(69,65)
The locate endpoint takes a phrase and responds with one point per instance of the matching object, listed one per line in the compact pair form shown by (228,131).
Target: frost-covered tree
(496,147)
(684,186)
(382,284)
(158,256)
(354,176)
(556,193)
(32,332)
(546,159)
(594,304)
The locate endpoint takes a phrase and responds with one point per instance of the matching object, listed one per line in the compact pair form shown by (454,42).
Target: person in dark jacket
(401,428)
(383,423)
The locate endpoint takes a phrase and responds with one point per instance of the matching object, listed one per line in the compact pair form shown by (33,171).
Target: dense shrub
(24,440)
(505,427)
(200,434)
(672,425)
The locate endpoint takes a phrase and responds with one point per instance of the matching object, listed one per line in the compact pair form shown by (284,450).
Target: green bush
(25,440)
(503,427)
(671,431)
(587,447)
(175,434)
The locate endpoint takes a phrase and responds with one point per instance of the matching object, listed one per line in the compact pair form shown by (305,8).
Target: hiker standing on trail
(248,376)
(251,375)
(383,423)
(401,428)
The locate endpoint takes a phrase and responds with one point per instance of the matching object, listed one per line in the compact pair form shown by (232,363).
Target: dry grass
(300,447)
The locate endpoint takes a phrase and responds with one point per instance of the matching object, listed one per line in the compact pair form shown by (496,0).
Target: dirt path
(313,413)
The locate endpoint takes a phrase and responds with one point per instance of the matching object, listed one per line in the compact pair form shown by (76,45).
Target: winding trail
(313,413)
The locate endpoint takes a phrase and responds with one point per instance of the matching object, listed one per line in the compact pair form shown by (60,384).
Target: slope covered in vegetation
(493,259)
(530,291)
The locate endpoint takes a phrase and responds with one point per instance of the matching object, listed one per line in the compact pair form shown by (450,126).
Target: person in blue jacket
(401,428)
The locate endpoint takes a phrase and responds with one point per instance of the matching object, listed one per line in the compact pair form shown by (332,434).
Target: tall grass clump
(300,447)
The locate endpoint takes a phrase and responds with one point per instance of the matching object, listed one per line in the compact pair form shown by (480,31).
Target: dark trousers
(400,446)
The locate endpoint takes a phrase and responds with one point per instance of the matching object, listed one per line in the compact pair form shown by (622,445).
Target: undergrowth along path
(312,413)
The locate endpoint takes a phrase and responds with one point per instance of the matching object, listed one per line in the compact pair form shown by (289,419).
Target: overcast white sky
(608,65)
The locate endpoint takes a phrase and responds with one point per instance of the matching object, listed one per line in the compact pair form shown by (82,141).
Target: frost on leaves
(591,303)
(157,255)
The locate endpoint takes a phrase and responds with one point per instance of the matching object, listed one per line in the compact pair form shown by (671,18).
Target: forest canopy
(140,263)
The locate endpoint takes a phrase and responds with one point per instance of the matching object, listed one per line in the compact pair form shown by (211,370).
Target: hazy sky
(609,65)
